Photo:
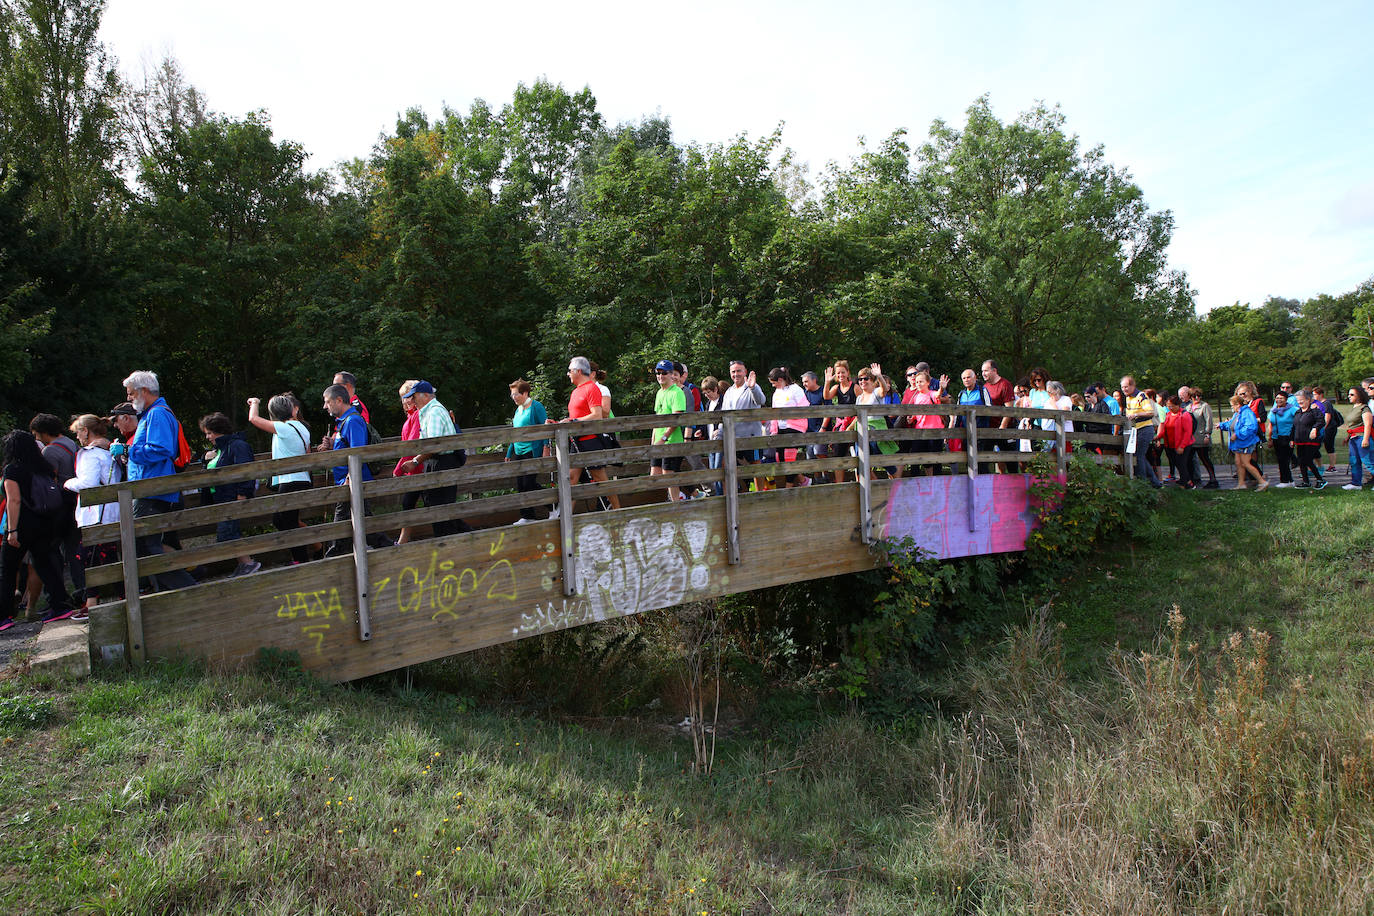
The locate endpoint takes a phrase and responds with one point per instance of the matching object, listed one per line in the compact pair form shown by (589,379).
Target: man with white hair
(585,403)
(152,453)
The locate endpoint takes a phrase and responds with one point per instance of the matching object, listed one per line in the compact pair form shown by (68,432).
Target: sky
(1251,122)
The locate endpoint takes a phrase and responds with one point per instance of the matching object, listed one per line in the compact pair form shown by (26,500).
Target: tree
(225,229)
(1052,252)
(58,90)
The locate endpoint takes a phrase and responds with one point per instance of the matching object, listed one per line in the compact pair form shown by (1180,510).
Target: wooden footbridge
(376,609)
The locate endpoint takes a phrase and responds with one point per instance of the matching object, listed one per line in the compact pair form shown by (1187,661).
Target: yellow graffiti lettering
(316,632)
(283,608)
(439,591)
(500,540)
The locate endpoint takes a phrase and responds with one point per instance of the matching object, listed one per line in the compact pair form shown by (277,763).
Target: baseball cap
(420,388)
(123,409)
(665,365)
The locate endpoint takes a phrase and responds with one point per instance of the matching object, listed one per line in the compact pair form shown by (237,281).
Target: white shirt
(94,468)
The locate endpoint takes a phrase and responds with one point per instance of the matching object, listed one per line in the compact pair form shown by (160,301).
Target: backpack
(45,496)
(183,455)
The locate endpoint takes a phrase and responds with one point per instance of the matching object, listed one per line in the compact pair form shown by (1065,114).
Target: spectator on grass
(290,439)
(1176,432)
(229,448)
(528,412)
(1334,419)
(1281,434)
(1309,424)
(1244,429)
(152,453)
(1361,428)
(1141,412)
(1202,438)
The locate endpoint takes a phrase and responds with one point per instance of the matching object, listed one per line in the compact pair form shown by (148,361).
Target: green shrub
(25,711)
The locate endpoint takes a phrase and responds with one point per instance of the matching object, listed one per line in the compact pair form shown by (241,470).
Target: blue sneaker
(1320,485)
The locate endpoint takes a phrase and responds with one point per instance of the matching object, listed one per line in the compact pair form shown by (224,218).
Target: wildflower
(418,872)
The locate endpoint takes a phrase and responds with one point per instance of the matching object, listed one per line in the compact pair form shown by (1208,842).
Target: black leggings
(44,554)
(290,519)
(1309,460)
(1203,454)
(1283,454)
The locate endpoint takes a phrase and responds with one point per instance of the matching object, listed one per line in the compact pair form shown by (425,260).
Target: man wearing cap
(670,399)
(150,453)
(435,422)
(1141,412)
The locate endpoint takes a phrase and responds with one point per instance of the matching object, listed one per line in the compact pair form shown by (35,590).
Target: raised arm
(260,422)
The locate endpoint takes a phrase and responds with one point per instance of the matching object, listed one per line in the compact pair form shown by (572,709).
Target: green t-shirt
(669,400)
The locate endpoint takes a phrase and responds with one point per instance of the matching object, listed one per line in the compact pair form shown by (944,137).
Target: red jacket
(1178,430)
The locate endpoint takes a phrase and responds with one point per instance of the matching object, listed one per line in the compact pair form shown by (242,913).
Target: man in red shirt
(1000,394)
(585,404)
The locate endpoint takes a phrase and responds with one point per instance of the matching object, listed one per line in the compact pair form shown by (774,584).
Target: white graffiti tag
(648,566)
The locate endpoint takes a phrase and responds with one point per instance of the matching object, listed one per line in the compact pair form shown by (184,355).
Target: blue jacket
(154,445)
(352,434)
(1281,420)
(1244,429)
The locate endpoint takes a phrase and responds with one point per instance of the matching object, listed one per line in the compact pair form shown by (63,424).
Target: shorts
(590,444)
(1248,450)
(668,464)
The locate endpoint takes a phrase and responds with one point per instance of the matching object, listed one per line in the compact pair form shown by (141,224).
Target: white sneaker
(1283,486)
(522,521)
(1351,486)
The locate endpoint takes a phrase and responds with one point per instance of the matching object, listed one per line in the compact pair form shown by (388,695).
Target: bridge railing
(486,483)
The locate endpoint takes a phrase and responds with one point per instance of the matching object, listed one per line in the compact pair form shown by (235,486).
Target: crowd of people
(45,469)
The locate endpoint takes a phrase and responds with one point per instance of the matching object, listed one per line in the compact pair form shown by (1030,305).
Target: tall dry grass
(1196,785)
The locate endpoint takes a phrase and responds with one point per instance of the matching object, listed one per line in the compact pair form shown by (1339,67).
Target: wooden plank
(563,453)
(196,556)
(129,562)
(644,484)
(731,490)
(864,475)
(971,442)
(358,522)
(257,508)
(626,454)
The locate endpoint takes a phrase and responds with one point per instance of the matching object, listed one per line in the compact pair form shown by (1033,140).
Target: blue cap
(665,365)
(420,388)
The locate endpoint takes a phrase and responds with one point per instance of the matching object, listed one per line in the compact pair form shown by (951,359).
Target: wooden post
(731,466)
(865,481)
(357,513)
(128,546)
(1127,459)
(563,452)
(1061,444)
(971,444)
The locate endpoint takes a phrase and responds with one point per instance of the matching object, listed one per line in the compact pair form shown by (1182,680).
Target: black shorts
(590,444)
(668,464)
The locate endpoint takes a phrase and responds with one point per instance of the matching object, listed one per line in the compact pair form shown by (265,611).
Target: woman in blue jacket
(1244,429)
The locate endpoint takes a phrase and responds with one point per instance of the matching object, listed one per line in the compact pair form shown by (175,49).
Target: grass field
(1214,773)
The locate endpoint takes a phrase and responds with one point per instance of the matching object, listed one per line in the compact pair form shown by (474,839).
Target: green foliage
(24,711)
(1075,515)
